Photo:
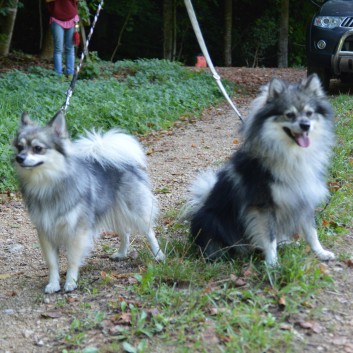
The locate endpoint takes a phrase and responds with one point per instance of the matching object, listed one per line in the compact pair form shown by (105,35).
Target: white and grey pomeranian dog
(269,189)
(75,190)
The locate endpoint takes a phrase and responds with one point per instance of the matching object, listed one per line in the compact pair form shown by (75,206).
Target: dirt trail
(29,320)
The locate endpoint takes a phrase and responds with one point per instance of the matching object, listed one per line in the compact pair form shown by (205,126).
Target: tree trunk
(6,28)
(122,30)
(283,35)
(228,7)
(48,46)
(169,29)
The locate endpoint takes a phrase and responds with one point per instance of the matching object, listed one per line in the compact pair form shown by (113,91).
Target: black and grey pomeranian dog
(269,189)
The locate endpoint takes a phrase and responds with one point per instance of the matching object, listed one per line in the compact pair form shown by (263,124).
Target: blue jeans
(63,38)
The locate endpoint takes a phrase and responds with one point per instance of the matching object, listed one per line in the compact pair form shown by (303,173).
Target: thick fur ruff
(76,190)
(269,189)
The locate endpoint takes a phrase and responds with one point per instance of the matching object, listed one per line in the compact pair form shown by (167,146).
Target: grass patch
(136,96)
(187,304)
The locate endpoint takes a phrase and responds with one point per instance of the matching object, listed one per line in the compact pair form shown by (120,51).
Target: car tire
(324,76)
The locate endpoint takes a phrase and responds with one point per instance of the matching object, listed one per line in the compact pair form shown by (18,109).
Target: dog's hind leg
(124,246)
(263,235)
(312,238)
(156,250)
(50,253)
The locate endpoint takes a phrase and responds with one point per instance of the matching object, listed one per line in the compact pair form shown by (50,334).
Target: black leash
(83,54)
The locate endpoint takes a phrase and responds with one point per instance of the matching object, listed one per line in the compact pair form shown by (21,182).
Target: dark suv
(330,41)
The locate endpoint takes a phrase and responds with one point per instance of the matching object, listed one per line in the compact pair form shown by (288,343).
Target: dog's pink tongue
(302,140)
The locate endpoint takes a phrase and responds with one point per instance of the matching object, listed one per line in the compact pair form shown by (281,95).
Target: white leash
(204,50)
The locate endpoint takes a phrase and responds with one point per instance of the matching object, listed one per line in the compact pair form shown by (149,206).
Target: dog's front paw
(118,255)
(325,255)
(52,287)
(70,286)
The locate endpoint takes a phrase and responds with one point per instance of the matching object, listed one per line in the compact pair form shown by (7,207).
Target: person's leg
(58,39)
(69,51)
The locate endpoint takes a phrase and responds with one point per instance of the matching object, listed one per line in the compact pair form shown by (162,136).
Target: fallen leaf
(51,315)
(125,318)
(282,302)
(70,300)
(324,269)
(237,281)
(305,324)
(334,185)
(349,263)
(311,325)
(285,326)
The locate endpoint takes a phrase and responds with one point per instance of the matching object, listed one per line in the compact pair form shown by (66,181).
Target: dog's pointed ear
(276,88)
(58,124)
(26,120)
(312,84)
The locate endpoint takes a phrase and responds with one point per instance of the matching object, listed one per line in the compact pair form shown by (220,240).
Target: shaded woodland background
(252,33)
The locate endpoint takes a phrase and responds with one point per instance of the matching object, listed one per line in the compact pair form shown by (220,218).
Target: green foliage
(261,39)
(91,68)
(336,216)
(6,6)
(136,96)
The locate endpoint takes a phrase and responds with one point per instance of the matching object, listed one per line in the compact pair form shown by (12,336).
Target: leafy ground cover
(187,304)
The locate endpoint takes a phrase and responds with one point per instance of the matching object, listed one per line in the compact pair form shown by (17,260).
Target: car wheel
(324,76)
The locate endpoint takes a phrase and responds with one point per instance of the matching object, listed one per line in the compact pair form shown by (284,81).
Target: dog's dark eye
(37,149)
(19,148)
(290,115)
(309,113)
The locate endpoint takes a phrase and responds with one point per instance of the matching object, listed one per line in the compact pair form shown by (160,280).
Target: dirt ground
(29,320)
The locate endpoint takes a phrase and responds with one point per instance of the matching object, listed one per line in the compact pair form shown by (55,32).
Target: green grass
(136,96)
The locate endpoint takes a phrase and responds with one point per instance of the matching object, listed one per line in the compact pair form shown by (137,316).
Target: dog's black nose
(20,159)
(305,125)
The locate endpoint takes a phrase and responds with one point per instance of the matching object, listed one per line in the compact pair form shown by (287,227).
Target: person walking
(63,18)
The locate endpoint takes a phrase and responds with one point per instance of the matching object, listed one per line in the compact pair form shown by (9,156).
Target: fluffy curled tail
(198,193)
(113,147)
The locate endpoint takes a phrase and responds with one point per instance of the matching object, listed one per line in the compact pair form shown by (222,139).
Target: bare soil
(31,321)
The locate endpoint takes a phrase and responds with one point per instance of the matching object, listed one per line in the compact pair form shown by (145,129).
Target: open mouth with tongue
(301,139)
